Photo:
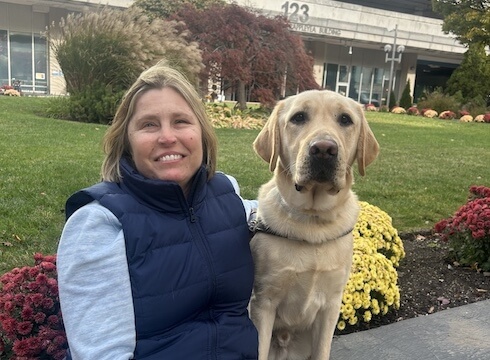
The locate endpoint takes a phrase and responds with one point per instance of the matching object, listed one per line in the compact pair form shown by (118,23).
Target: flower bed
(372,288)
(222,116)
(31,326)
(8,90)
(468,230)
(464,116)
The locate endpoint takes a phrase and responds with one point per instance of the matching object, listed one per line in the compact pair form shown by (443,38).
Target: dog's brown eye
(345,120)
(299,118)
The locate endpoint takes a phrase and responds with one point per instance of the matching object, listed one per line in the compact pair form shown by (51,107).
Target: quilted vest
(190,265)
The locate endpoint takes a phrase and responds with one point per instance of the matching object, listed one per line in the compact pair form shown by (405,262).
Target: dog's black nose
(324,149)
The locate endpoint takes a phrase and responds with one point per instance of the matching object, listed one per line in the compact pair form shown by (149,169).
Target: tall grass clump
(440,102)
(102,53)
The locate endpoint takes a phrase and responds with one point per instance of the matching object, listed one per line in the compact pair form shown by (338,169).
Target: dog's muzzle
(323,160)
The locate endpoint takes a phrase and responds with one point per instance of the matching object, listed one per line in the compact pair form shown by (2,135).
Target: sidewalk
(461,333)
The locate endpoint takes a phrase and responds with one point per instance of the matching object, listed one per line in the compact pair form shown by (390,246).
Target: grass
(421,176)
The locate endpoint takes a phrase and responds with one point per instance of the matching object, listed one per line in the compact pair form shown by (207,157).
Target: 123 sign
(294,11)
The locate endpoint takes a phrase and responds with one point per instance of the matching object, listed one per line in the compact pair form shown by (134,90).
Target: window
(355,79)
(331,78)
(21,58)
(40,64)
(4,63)
(28,61)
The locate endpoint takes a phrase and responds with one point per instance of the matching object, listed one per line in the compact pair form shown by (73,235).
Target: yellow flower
(349,308)
(347,298)
(341,325)
(367,288)
(353,320)
(367,316)
(366,304)
(377,252)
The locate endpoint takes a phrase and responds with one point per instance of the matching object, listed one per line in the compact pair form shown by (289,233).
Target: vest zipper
(192,215)
(201,243)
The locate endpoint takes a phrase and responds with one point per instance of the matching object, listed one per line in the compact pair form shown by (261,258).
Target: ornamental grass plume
(372,288)
(468,230)
(31,326)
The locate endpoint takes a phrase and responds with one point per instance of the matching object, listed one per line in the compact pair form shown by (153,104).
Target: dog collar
(259,225)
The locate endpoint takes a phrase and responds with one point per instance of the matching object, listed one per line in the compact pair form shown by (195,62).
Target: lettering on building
(315,29)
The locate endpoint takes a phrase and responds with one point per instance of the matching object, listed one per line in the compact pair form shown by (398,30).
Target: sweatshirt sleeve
(249,205)
(94,286)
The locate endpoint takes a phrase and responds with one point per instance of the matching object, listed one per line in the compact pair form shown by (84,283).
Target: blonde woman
(154,262)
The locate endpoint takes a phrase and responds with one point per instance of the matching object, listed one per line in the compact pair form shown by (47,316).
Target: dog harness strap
(259,225)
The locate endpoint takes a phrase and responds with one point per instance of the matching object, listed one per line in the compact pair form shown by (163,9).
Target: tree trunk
(241,96)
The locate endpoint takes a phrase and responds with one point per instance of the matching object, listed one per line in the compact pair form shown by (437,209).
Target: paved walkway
(461,333)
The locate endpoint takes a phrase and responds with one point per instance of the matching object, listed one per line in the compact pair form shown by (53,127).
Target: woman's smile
(165,137)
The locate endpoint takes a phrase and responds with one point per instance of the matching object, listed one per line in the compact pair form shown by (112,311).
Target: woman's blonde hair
(116,141)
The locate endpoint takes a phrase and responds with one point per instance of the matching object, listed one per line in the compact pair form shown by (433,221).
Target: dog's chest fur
(299,277)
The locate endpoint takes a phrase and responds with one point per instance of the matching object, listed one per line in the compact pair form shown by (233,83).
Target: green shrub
(392,103)
(406,99)
(472,77)
(468,230)
(476,106)
(96,103)
(384,109)
(440,102)
(58,107)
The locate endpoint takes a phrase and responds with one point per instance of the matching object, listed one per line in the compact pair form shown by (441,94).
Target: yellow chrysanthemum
(367,316)
(341,325)
(353,320)
(372,286)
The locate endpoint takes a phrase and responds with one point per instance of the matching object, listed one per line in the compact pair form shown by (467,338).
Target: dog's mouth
(332,190)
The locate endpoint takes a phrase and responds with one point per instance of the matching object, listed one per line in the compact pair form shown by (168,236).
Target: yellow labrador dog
(303,242)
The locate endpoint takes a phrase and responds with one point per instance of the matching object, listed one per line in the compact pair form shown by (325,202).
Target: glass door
(343,80)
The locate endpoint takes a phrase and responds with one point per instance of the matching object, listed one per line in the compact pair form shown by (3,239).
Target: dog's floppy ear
(367,147)
(268,143)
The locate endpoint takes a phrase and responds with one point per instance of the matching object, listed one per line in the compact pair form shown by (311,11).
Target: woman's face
(165,137)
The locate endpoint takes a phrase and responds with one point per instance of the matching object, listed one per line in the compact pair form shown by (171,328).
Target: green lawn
(422,174)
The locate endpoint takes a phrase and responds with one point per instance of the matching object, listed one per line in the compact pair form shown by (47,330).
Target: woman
(154,262)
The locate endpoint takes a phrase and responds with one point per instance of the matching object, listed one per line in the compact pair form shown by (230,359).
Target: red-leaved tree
(258,56)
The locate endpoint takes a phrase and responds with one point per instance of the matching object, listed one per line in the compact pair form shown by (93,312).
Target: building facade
(346,38)
(25,57)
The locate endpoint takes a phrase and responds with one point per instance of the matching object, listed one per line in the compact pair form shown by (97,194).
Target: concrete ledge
(461,333)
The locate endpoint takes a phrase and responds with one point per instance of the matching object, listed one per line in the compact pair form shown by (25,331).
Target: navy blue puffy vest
(190,265)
